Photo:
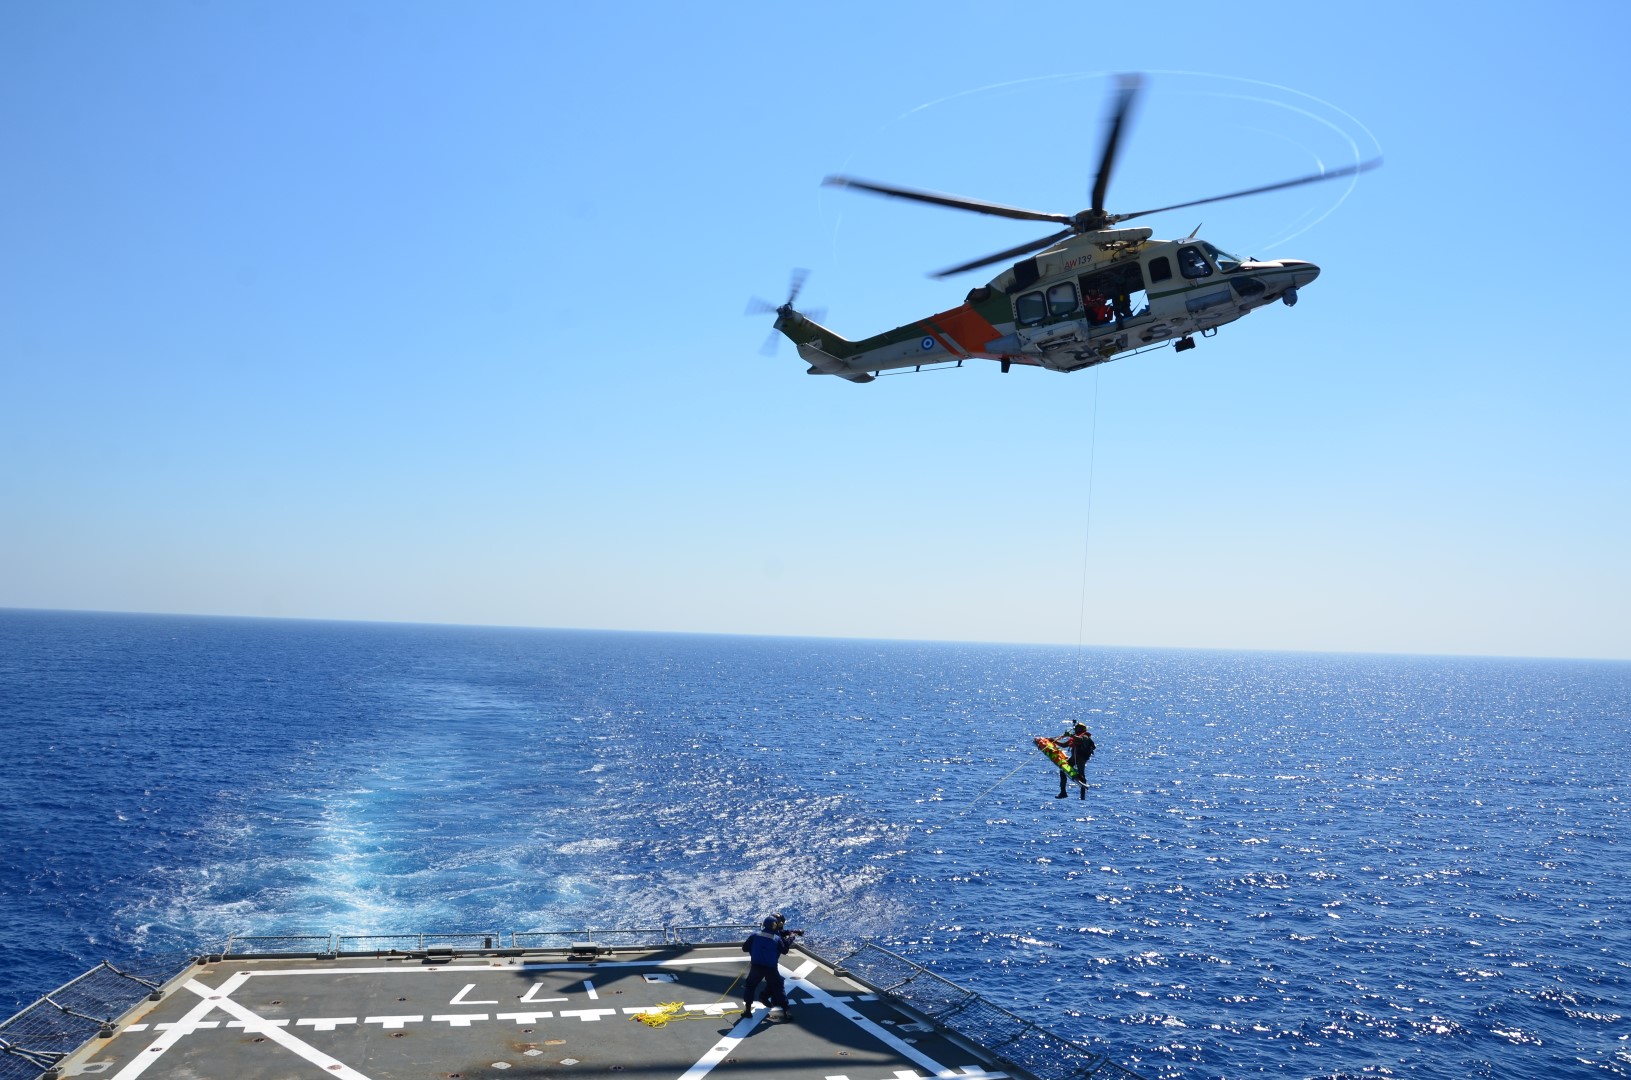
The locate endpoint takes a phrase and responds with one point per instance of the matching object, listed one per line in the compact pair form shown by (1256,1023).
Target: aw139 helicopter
(1092,292)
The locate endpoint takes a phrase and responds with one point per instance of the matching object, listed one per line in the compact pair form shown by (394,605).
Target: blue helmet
(770,922)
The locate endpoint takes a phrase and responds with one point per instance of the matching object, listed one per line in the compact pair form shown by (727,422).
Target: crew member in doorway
(1099,310)
(1080,744)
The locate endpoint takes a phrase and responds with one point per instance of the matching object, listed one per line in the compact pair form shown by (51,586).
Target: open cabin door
(1115,293)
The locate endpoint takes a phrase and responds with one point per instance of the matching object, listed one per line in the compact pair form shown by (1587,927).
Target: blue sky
(434,312)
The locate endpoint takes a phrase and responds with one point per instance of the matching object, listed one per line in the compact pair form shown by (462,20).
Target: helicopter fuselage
(1083,302)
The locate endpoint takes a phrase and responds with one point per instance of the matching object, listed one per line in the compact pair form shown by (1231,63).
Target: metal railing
(416,943)
(283,945)
(529,940)
(635,938)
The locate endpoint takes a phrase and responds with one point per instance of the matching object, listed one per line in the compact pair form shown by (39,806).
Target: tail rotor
(782,311)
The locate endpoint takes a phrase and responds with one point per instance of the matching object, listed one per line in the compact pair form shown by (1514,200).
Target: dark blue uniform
(765,950)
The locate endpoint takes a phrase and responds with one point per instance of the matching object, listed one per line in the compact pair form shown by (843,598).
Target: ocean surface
(1286,865)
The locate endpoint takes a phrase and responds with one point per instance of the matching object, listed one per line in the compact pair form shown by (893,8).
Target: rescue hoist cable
(1081,615)
(1087,526)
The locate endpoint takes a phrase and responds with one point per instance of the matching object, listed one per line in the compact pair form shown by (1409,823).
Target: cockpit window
(1062,299)
(1192,264)
(1226,262)
(1030,308)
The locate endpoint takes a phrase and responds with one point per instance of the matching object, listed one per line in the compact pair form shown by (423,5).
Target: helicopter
(1091,292)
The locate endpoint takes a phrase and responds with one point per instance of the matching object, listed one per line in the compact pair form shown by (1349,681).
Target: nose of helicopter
(1302,272)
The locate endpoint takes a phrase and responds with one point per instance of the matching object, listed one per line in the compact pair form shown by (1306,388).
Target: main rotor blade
(1130,86)
(954,201)
(1002,256)
(1334,174)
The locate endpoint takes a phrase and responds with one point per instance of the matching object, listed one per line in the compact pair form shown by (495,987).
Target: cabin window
(1192,263)
(1160,269)
(1226,262)
(1114,293)
(1030,308)
(1062,299)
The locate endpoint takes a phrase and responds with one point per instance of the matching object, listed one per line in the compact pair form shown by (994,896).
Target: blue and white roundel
(928,343)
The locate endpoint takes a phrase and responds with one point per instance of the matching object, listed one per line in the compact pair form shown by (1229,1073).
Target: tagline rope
(970,804)
(659,1015)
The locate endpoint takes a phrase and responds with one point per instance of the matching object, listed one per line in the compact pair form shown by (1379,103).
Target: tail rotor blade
(782,311)
(796,285)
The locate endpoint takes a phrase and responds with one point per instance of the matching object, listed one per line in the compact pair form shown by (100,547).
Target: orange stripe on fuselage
(963,327)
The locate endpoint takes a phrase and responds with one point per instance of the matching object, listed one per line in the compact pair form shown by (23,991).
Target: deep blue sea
(1286,865)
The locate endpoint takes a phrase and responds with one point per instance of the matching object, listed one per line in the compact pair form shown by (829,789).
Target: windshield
(1226,262)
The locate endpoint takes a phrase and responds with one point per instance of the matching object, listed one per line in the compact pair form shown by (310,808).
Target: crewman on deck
(1080,744)
(765,948)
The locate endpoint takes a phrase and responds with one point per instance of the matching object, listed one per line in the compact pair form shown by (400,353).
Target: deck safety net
(963,1012)
(55,1025)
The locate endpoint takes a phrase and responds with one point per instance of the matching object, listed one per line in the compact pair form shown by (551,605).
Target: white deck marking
(588,1014)
(325,1023)
(888,1038)
(722,1049)
(221,999)
(458,999)
(142,1061)
(273,1029)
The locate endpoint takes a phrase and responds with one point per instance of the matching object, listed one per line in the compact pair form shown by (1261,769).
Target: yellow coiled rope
(660,1015)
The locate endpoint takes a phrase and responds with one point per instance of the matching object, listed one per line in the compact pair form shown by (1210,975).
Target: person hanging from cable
(1080,744)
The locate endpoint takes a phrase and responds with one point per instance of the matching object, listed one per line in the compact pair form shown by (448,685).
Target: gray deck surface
(534,1015)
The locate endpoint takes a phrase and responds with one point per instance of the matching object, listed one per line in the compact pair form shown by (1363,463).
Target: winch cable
(1087,527)
(1081,615)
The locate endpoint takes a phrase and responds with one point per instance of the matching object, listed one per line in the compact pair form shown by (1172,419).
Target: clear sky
(434,312)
